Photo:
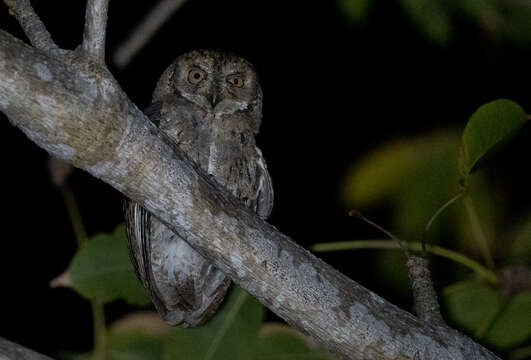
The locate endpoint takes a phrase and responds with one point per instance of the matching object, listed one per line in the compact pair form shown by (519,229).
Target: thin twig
(95,29)
(424,295)
(31,24)
(436,215)
(145,31)
(459,258)
(403,244)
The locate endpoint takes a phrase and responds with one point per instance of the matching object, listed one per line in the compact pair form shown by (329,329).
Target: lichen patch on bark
(43,72)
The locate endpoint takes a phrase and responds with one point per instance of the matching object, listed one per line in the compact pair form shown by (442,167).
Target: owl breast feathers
(209,104)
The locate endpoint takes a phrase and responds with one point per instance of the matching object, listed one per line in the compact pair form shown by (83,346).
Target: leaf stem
(100,332)
(439,212)
(455,256)
(98,313)
(74,215)
(477,229)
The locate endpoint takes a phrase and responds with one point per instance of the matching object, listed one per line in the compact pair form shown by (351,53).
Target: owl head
(219,83)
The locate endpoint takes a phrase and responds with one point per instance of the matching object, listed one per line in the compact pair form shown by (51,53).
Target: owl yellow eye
(235,80)
(195,76)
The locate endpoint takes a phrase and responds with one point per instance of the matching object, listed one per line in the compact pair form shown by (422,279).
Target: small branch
(424,295)
(31,24)
(402,243)
(95,29)
(459,258)
(11,350)
(145,31)
(59,171)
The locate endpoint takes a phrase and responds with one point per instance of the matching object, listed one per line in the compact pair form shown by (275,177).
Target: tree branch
(424,295)
(11,350)
(77,112)
(145,31)
(31,24)
(95,29)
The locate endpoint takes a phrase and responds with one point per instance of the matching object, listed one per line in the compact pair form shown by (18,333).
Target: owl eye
(195,76)
(235,80)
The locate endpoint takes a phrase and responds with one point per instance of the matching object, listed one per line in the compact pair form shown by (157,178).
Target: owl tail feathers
(184,316)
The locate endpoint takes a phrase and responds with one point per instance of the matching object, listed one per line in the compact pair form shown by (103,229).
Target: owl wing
(185,289)
(138,230)
(264,204)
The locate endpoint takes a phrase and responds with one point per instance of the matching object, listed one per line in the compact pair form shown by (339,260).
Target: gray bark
(12,351)
(76,111)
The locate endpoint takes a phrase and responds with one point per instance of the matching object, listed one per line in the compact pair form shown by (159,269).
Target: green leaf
(379,173)
(471,305)
(354,10)
(513,326)
(515,24)
(429,185)
(414,176)
(135,345)
(521,246)
(482,12)
(237,332)
(102,270)
(139,335)
(432,17)
(488,128)
(277,341)
(230,334)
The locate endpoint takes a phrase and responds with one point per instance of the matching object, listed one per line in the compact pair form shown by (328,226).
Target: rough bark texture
(77,112)
(11,351)
(95,29)
(424,295)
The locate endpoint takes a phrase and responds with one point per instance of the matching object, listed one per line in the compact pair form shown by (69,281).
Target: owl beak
(214,100)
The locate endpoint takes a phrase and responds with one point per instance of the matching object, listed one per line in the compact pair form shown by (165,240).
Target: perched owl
(210,104)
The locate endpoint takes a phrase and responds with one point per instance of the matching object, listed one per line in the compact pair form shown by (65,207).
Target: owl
(209,104)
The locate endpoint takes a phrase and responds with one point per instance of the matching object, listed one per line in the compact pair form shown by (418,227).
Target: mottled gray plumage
(210,104)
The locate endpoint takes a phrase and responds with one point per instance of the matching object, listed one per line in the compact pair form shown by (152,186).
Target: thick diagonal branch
(79,113)
(11,350)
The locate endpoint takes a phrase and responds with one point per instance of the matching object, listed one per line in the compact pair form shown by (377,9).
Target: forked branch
(80,114)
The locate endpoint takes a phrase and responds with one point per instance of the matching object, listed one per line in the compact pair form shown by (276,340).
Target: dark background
(333,91)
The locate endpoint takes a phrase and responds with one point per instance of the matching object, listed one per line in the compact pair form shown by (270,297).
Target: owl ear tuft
(165,84)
